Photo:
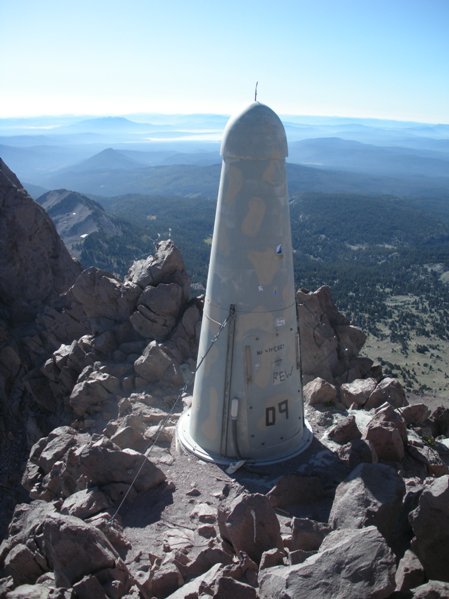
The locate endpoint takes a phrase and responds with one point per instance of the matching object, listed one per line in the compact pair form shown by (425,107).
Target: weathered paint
(253,370)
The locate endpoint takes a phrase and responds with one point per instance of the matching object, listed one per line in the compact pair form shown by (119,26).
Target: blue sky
(361,58)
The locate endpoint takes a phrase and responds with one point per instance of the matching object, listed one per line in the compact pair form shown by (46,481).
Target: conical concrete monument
(247,399)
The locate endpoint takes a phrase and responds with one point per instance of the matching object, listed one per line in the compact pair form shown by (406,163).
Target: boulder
(350,564)
(249,524)
(434,589)
(75,549)
(319,391)
(357,393)
(388,434)
(390,390)
(415,414)
(430,523)
(93,391)
(371,495)
(308,534)
(86,503)
(345,430)
(156,365)
(157,310)
(165,266)
(410,572)
(328,342)
(440,421)
(357,452)
(103,296)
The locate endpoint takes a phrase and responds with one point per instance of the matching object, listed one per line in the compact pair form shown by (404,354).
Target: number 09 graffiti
(273,411)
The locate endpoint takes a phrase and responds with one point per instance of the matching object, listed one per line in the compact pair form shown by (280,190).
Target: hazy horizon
(351,58)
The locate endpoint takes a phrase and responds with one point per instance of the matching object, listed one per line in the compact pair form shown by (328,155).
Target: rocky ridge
(105,371)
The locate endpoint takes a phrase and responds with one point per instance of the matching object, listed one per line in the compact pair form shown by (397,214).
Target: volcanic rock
(350,564)
(371,495)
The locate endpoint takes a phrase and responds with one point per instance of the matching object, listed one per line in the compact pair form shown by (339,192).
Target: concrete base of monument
(186,441)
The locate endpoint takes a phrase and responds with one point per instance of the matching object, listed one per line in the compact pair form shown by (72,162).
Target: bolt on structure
(247,398)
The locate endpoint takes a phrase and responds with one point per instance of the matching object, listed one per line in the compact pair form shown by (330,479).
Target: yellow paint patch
(234,180)
(254,217)
(266,264)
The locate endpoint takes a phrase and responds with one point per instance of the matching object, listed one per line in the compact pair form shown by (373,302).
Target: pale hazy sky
(361,58)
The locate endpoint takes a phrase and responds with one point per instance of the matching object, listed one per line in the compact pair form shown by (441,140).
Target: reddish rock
(388,434)
(410,573)
(357,392)
(319,391)
(345,430)
(249,524)
(388,390)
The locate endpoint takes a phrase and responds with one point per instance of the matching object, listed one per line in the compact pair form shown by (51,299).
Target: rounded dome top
(255,134)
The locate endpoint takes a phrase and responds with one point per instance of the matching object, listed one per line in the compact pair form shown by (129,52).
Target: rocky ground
(94,381)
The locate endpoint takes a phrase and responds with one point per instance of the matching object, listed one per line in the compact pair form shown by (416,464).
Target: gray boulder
(157,310)
(430,523)
(350,564)
(345,430)
(249,524)
(387,432)
(371,495)
(155,364)
(75,549)
(329,344)
(390,390)
(319,391)
(357,393)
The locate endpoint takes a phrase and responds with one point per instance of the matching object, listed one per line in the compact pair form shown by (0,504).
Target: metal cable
(165,420)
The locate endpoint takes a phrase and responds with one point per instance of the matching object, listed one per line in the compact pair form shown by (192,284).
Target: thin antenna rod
(255,92)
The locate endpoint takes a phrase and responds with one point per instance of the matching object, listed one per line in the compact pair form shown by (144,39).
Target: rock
(371,495)
(410,572)
(164,581)
(345,430)
(103,296)
(272,557)
(86,503)
(157,310)
(415,414)
(165,266)
(350,564)
(200,584)
(294,489)
(319,391)
(357,392)
(430,523)
(328,342)
(357,452)
(225,586)
(20,563)
(434,589)
(249,524)
(102,463)
(427,456)
(89,587)
(308,534)
(388,434)
(91,394)
(440,422)
(91,462)
(204,513)
(156,365)
(75,549)
(35,266)
(111,529)
(387,390)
